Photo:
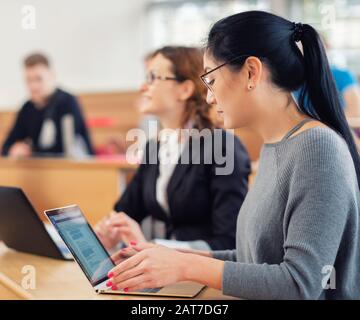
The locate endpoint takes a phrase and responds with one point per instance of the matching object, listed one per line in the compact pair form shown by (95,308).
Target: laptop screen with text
(82,242)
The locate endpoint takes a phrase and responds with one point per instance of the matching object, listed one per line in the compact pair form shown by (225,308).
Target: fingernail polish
(109,284)
(110,274)
(114,288)
(126,289)
(133,243)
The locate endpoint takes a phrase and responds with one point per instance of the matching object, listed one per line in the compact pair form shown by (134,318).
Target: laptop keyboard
(150,290)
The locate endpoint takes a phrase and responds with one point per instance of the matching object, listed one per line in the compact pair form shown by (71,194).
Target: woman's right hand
(108,236)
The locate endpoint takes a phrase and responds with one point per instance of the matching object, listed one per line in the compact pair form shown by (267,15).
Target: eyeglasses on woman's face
(208,80)
(151,76)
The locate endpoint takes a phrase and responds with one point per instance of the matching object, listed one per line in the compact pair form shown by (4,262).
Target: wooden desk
(50,183)
(57,280)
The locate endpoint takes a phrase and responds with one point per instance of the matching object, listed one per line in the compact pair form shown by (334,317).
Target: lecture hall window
(170,22)
(188,22)
(338,21)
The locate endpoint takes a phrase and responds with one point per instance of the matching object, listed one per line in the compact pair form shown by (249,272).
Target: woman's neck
(277,121)
(170,121)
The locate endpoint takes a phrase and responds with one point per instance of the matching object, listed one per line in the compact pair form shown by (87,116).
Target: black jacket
(30,120)
(203,205)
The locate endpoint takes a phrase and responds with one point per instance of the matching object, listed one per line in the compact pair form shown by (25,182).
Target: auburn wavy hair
(187,64)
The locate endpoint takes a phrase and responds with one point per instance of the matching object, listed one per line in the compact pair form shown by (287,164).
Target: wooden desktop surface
(63,280)
(94,185)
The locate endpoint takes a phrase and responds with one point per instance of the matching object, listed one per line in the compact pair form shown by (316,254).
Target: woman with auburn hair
(198,206)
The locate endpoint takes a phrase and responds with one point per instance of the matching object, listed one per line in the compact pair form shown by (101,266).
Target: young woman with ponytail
(298,233)
(199,207)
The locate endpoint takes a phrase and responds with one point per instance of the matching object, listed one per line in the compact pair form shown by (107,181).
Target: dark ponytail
(273,40)
(320,87)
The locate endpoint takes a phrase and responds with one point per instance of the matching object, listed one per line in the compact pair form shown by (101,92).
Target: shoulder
(317,165)
(64,94)
(320,172)
(27,111)
(67,101)
(320,153)
(318,140)
(26,107)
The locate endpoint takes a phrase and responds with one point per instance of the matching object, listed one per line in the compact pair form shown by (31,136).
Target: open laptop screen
(82,242)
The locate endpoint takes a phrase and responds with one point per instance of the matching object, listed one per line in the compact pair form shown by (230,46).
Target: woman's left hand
(152,266)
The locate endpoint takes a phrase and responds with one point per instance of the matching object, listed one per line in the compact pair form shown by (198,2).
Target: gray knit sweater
(299,219)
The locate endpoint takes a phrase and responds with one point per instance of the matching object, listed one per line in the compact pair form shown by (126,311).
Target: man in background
(51,122)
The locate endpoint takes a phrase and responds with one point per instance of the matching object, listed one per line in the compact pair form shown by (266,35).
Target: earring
(250,87)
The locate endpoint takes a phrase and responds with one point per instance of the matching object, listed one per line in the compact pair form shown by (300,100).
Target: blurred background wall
(98,46)
(94,45)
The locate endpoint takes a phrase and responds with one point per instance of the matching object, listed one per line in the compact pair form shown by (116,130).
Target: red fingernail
(110,274)
(109,284)
(126,289)
(114,288)
(133,243)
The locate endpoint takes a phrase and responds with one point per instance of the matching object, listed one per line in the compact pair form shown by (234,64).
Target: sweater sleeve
(225,255)
(319,195)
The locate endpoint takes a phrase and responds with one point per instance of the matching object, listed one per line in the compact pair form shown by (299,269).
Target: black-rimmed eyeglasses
(208,81)
(152,76)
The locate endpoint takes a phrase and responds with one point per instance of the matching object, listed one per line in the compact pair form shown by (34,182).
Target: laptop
(95,261)
(21,228)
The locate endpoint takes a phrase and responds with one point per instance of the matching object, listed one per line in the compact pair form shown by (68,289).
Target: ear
(187,89)
(254,69)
